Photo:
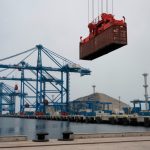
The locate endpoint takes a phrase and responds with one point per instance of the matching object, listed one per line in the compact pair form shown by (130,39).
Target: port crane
(46,83)
(8,96)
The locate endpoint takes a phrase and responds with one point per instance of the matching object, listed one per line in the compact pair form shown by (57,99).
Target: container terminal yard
(37,86)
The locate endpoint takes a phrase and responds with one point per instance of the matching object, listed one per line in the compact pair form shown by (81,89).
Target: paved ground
(124,143)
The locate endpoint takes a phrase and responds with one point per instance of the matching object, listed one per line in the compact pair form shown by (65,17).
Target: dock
(133,120)
(113,143)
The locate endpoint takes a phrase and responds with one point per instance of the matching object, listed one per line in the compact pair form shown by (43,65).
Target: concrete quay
(13,138)
(115,143)
(110,135)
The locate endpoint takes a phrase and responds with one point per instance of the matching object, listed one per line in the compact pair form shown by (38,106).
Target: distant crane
(8,96)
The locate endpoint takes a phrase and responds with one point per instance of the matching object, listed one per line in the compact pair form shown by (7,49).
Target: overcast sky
(58,25)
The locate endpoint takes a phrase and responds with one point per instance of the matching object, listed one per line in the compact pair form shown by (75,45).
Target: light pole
(146,91)
(94,86)
(119,103)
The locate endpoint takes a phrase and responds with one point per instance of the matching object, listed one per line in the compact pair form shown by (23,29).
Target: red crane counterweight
(105,35)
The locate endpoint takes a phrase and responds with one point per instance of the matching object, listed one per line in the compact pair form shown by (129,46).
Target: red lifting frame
(98,26)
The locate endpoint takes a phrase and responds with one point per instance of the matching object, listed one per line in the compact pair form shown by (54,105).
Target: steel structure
(8,96)
(46,84)
(90,107)
(137,107)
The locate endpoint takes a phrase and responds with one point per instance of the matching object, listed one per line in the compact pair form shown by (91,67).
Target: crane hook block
(105,35)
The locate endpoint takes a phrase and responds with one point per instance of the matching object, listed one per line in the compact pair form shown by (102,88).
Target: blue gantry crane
(8,96)
(45,78)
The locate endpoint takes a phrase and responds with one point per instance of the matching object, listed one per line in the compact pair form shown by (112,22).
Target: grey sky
(58,24)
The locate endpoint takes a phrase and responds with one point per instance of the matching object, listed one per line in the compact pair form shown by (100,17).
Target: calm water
(29,127)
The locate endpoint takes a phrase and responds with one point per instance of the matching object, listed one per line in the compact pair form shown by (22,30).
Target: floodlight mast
(146,90)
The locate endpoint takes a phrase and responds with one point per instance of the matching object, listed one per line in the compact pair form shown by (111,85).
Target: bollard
(67,136)
(41,137)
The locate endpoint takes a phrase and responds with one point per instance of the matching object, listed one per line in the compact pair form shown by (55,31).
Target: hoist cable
(88,11)
(93,10)
(107,6)
(112,7)
(98,8)
(101,6)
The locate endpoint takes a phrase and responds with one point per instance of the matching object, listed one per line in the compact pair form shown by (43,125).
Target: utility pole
(146,91)
(94,86)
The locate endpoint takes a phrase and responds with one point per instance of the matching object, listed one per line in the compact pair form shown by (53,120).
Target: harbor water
(29,127)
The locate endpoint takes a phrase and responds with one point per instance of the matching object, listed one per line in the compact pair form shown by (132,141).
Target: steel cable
(17,54)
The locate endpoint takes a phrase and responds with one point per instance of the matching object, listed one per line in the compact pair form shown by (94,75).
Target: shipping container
(104,40)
